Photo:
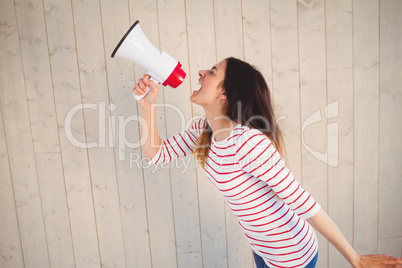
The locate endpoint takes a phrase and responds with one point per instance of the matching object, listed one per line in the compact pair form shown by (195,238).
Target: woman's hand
(377,261)
(327,227)
(142,87)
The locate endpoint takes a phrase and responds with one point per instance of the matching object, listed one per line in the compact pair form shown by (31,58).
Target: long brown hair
(248,102)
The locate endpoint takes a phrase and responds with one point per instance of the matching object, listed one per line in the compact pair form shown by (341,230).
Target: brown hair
(248,103)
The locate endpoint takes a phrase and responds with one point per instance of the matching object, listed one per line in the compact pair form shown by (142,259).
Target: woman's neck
(221,125)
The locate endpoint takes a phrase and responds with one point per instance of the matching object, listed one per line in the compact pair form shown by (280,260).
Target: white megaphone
(161,67)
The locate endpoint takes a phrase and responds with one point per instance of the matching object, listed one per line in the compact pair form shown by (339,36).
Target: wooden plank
(339,48)
(285,79)
(173,40)
(130,176)
(228,29)
(313,98)
(67,93)
(340,175)
(10,242)
(55,210)
(202,55)
(390,150)
(366,124)
(37,74)
(391,246)
(189,260)
(91,62)
(229,42)
(339,32)
(19,142)
(116,21)
(157,181)
(257,36)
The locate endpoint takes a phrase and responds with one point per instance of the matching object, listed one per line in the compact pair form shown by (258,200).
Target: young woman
(239,145)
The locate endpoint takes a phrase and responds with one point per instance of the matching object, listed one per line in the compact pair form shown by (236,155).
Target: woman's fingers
(148,82)
(140,87)
(145,78)
(137,89)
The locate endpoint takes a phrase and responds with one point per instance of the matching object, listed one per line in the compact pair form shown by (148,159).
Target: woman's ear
(223,96)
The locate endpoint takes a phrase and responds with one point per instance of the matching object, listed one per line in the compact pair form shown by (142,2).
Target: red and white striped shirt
(251,175)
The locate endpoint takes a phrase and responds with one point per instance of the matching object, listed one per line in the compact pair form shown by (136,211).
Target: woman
(239,145)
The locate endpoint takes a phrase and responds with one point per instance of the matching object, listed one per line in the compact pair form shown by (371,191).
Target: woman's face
(211,81)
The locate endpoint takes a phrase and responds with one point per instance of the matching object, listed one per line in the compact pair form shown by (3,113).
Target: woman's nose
(201,73)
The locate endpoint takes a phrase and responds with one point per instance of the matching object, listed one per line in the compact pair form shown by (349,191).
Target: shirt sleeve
(179,145)
(258,156)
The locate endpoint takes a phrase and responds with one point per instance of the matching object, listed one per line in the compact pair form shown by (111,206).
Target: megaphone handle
(138,97)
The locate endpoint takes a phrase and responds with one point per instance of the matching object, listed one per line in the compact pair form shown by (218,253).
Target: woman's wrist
(146,110)
(356,261)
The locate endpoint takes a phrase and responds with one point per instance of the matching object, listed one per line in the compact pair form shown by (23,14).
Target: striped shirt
(251,175)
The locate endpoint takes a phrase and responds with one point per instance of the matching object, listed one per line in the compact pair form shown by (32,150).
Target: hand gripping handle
(138,97)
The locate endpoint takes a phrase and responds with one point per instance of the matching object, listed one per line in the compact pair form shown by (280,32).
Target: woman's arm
(327,227)
(154,149)
(150,147)
(148,113)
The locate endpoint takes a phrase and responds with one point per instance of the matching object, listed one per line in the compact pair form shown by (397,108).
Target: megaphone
(162,68)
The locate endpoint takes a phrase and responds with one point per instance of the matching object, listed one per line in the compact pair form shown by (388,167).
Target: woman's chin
(193,97)
(193,100)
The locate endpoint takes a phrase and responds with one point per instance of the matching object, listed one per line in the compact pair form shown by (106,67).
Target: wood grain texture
(313,101)
(390,170)
(10,242)
(229,43)
(339,47)
(257,36)
(55,210)
(285,79)
(125,132)
(75,166)
(102,163)
(37,75)
(20,147)
(366,124)
(74,189)
(202,56)
(158,189)
(339,33)
(340,176)
(173,38)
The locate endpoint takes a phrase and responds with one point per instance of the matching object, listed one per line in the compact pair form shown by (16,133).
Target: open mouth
(199,83)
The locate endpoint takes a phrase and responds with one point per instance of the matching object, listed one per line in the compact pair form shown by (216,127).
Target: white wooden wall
(335,70)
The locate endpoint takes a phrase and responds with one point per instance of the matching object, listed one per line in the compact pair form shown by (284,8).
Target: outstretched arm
(149,131)
(327,227)
(154,149)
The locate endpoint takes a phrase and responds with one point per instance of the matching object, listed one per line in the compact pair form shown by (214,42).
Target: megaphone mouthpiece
(176,77)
